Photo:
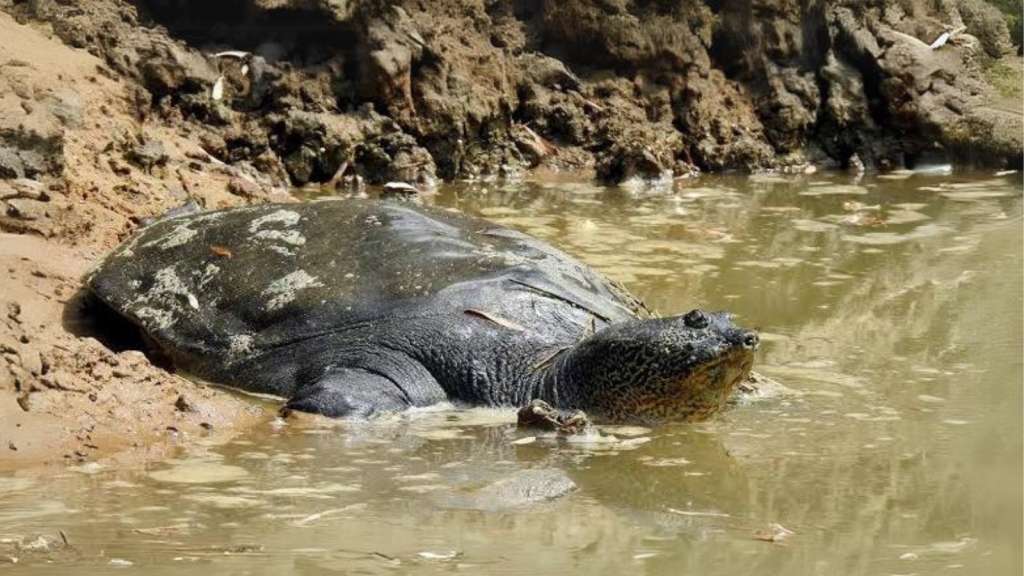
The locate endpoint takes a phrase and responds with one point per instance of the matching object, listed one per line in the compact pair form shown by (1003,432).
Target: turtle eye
(695,319)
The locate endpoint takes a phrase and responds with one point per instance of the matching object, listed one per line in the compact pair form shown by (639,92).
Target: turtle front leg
(349,393)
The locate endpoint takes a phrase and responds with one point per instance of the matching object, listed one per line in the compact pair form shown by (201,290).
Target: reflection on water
(892,306)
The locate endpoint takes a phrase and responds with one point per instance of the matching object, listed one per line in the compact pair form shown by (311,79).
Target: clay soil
(65,397)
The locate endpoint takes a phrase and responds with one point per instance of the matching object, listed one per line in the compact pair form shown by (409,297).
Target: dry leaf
(496,319)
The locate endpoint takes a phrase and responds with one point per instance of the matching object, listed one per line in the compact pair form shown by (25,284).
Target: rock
(11,165)
(244,187)
(147,153)
(987,24)
(548,72)
(31,361)
(23,188)
(522,488)
(183,404)
(620,87)
(25,209)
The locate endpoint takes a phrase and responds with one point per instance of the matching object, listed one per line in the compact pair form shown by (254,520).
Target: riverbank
(64,396)
(112,112)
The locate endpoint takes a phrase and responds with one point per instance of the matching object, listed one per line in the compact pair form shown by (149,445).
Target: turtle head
(678,368)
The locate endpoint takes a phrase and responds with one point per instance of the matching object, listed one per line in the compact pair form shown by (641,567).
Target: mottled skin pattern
(351,308)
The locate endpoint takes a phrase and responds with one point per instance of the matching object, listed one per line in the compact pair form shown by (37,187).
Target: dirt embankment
(112,111)
(312,90)
(83,171)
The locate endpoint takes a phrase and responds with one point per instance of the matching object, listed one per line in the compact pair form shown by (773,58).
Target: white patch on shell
(284,217)
(282,290)
(281,250)
(260,231)
(164,299)
(240,345)
(203,277)
(287,236)
(127,249)
(178,236)
(508,257)
(155,318)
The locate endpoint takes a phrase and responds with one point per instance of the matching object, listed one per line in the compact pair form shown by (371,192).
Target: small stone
(242,187)
(14,311)
(11,165)
(32,362)
(183,405)
(146,154)
(25,209)
(40,544)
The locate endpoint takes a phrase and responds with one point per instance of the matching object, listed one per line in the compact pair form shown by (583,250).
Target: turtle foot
(541,415)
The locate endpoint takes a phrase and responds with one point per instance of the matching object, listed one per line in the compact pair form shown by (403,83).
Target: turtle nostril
(750,340)
(695,319)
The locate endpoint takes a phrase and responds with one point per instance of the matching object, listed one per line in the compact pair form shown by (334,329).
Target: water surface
(892,306)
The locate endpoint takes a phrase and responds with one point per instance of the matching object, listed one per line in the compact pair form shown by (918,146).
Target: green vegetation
(1007,78)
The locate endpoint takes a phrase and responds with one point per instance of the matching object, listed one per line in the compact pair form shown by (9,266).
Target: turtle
(357,307)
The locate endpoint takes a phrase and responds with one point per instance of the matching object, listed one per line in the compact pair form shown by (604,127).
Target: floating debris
(709,514)
(400,189)
(834,189)
(200,472)
(663,462)
(628,431)
(776,534)
(305,521)
(444,434)
(172,531)
(440,556)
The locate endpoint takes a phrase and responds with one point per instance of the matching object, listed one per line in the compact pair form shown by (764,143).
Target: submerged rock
(523,488)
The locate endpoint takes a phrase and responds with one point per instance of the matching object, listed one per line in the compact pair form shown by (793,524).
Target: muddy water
(891,306)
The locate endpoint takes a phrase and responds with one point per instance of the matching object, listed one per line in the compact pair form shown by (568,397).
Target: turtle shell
(213,287)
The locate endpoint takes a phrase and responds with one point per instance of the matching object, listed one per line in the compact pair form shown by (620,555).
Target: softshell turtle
(356,307)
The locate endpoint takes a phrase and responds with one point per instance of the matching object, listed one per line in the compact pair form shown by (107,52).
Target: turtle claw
(541,415)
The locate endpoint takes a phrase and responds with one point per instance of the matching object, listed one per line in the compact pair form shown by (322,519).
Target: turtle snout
(750,340)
